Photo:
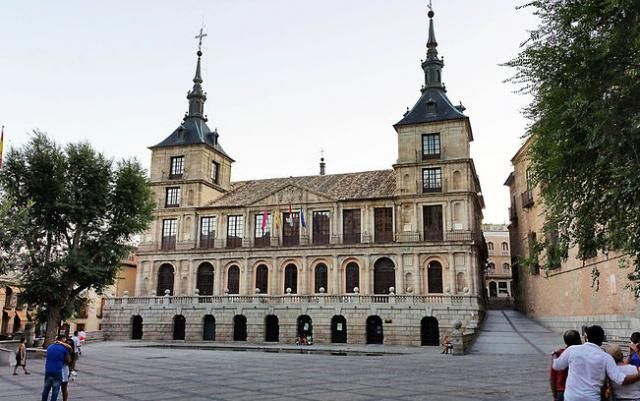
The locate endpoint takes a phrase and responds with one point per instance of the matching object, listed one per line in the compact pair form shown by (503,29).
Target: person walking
(76,351)
(57,355)
(629,392)
(589,365)
(558,379)
(21,358)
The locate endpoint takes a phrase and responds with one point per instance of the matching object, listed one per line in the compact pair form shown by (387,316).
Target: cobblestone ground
(114,371)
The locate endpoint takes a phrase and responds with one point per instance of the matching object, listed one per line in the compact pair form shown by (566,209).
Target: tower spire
(432,66)
(196,95)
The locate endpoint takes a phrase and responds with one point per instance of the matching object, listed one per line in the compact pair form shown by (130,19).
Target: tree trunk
(53,321)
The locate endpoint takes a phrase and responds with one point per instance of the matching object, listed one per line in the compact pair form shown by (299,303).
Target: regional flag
(277,213)
(1,145)
(265,217)
(290,215)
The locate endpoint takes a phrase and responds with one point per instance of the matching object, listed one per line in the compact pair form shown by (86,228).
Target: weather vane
(199,37)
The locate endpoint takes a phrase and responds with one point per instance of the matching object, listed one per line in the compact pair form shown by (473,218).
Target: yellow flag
(277,213)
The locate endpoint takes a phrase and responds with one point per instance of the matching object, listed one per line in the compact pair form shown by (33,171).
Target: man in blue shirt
(57,355)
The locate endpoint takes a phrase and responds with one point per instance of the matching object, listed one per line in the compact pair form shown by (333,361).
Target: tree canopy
(68,216)
(582,66)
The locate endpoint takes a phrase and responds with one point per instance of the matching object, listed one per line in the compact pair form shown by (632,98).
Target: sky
(285,78)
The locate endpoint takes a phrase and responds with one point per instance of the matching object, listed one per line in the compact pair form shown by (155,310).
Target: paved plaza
(506,363)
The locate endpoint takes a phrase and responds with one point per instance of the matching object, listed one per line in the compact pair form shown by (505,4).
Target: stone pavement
(116,371)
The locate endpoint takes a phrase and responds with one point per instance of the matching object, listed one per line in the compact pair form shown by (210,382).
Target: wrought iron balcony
(527,199)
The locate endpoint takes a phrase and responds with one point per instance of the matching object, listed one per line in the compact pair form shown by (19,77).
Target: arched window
(204,281)
(434,278)
(233,280)
(491,267)
(384,276)
(505,246)
(165,279)
(262,279)
(320,277)
(490,246)
(291,278)
(506,268)
(352,279)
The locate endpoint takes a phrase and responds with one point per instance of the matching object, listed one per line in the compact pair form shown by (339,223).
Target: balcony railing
(296,299)
(513,215)
(305,240)
(527,199)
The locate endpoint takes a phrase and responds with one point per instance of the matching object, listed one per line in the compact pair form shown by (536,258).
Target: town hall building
(391,256)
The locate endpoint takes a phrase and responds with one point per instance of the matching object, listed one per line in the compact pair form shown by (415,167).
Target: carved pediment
(294,194)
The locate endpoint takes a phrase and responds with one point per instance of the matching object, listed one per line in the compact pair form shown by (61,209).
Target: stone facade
(395,251)
(497,274)
(564,295)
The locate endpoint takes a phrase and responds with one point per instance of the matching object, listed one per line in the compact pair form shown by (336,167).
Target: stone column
(304,277)
(400,286)
(245,275)
(335,288)
(419,290)
(452,273)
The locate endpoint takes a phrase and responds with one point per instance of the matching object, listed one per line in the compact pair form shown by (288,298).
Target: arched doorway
(165,279)
(204,281)
(352,277)
(262,279)
(179,324)
(233,280)
(338,329)
(239,328)
(136,328)
(272,328)
(320,278)
(209,328)
(384,276)
(305,327)
(434,278)
(16,324)
(493,289)
(374,330)
(291,278)
(429,331)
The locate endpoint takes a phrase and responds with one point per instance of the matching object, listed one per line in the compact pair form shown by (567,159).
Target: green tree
(68,216)
(582,66)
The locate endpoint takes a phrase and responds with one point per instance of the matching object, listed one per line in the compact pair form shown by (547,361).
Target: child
(447,346)
(558,378)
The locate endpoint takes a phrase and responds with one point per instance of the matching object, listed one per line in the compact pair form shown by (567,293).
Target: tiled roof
(433,105)
(350,186)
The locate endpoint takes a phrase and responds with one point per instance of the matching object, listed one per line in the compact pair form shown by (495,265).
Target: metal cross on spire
(430,6)
(199,37)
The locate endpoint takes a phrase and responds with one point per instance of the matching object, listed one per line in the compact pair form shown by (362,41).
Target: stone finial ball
(288,290)
(257,290)
(392,289)
(167,292)
(356,290)
(457,324)
(199,53)
(465,290)
(226,290)
(322,290)
(430,14)
(409,289)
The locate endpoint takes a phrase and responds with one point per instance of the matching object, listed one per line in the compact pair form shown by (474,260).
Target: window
(215,168)
(262,231)
(169,229)
(291,228)
(262,279)
(235,231)
(351,226)
(204,279)
(505,246)
(321,227)
(506,268)
(430,146)
(320,279)
(177,167)
(502,288)
(207,232)
(291,279)
(165,280)
(434,278)
(233,280)
(432,223)
(173,197)
(432,180)
(491,268)
(490,246)
(529,178)
(383,224)
(352,277)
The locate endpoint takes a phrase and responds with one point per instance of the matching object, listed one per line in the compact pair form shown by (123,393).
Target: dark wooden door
(165,280)
(178,327)
(239,328)
(429,331)
(374,330)
(209,330)
(291,278)
(383,224)
(434,278)
(339,330)
(136,330)
(432,216)
(384,276)
(305,326)
(291,228)
(272,329)
(351,226)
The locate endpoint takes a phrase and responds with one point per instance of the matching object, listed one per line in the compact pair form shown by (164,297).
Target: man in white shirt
(588,366)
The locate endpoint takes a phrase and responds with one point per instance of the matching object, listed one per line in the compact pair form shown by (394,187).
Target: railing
(296,299)
(513,215)
(527,199)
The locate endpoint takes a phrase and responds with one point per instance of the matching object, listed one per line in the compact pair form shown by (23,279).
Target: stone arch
(425,271)
(339,329)
(320,278)
(205,279)
(233,279)
(261,278)
(305,327)
(457,180)
(208,328)
(179,326)
(239,328)
(429,331)
(435,277)
(351,276)
(271,328)
(384,275)
(136,327)
(165,279)
(375,334)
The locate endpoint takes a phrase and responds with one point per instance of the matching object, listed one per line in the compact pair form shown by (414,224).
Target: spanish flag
(1,144)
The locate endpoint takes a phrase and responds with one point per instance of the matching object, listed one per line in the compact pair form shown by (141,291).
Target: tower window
(169,231)
(215,168)
(173,197)
(432,180)
(235,231)
(177,167)
(207,231)
(430,146)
